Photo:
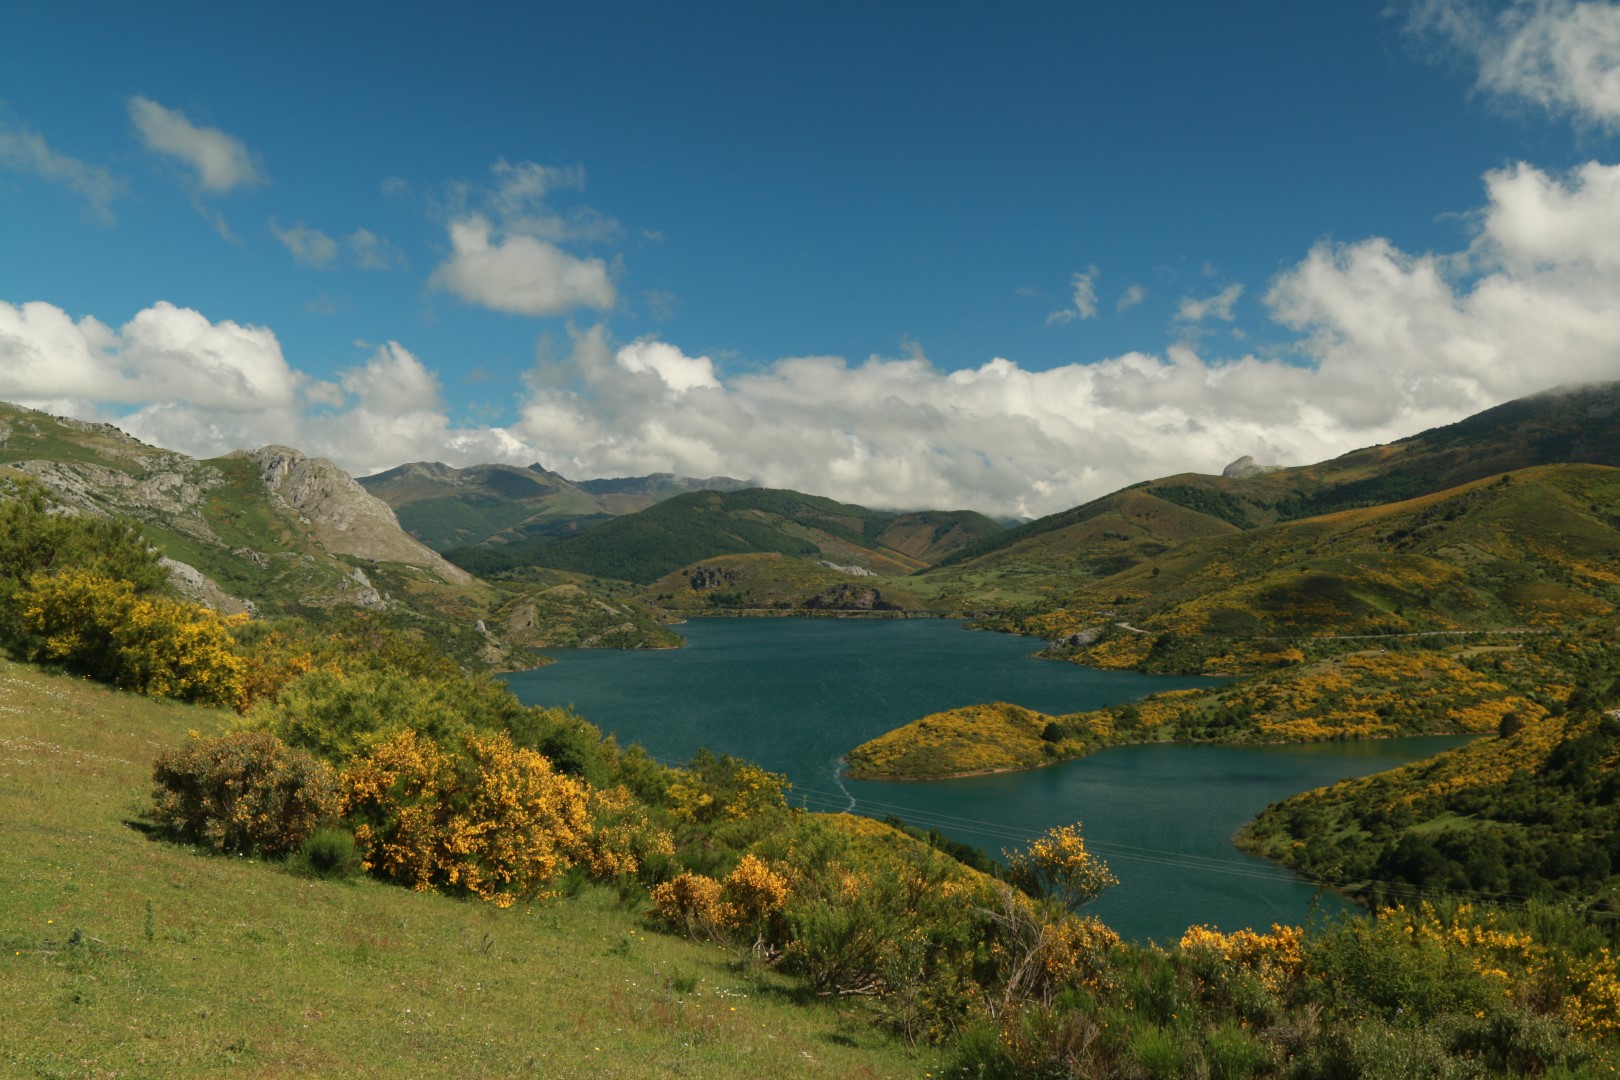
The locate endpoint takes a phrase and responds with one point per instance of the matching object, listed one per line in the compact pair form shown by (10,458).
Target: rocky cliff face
(344,517)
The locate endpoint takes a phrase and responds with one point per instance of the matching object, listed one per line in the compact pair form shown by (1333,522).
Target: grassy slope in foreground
(121,955)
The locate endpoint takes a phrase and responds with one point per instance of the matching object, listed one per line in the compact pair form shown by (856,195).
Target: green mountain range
(686,529)
(1466,579)
(497,504)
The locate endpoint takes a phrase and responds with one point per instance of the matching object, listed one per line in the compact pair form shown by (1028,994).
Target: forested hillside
(497,504)
(677,532)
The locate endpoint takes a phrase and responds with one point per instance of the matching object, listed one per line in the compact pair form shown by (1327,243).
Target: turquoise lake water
(795,694)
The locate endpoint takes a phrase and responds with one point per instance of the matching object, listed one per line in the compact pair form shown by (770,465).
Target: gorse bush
(494,820)
(743,905)
(243,793)
(723,788)
(99,626)
(1057,868)
(1409,992)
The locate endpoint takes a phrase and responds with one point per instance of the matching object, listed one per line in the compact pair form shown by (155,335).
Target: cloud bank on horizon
(1384,342)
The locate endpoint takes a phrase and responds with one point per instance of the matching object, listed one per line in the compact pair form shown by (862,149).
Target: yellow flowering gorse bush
(99,626)
(1276,958)
(500,824)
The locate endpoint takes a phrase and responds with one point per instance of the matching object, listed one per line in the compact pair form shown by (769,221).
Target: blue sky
(903,254)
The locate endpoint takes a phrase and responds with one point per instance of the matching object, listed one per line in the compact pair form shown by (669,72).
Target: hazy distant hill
(448,508)
(686,529)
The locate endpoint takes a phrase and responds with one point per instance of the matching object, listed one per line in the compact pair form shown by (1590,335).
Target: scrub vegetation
(327,845)
(365,859)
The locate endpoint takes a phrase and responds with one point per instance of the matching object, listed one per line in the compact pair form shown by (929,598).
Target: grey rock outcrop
(197,586)
(849,598)
(167,490)
(1246,466)
(1081,638)
(344,517)
(711,577)
(852,571)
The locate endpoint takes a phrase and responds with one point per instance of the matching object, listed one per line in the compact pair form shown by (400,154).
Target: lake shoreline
(792,695)
(931,778)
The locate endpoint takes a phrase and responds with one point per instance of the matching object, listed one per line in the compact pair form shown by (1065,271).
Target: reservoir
(794,694)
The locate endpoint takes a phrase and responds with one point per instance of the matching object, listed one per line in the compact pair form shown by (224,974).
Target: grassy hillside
(1531,810)
(1037,562)
(678,532)
(1575,426)
(249,544)
(448,508)
(571,615)
(125,955)
(958,742)
(1341,693)
(1533,550)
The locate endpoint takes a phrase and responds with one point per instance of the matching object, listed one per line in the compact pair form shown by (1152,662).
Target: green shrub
(1369,1050)
(1374,965)
(1161,1052)
(327,853)
(246,793)
(1233,1053)
(342,714)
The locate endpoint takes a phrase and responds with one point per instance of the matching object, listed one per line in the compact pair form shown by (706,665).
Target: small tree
(1057,868)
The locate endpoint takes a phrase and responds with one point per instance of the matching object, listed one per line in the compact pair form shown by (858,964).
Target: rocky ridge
(249,531)
(345,518)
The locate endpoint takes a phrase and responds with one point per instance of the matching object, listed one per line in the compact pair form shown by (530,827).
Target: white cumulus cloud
(369,251)
(519,273)
(1083,302)
(1385,343)
(164,353)
(312,247)
(220,161)
(1130,298)
(1197,309)
(1560,55)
